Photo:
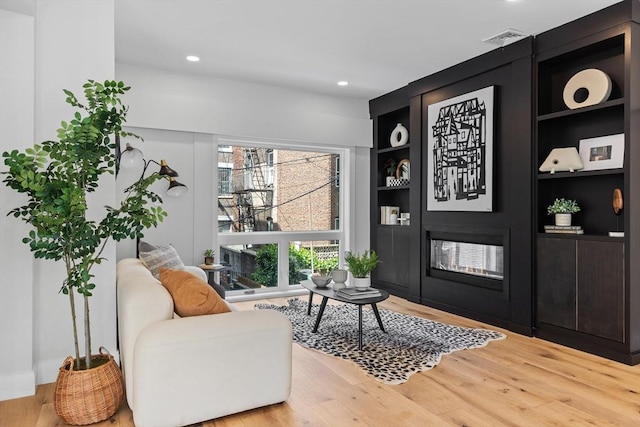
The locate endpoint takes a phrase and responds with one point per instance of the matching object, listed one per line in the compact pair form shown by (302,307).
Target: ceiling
(376,45)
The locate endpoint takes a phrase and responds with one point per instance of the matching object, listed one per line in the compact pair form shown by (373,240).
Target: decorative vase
(339,275)
(90,395)
(361,283)
(208,260)
(339,285)
(563,219)
(399,136)
(389,181)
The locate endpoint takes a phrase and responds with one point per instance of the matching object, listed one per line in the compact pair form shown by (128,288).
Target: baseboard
(17,385)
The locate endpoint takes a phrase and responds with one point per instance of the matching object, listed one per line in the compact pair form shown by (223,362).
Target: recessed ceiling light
(343,83)
(193,58)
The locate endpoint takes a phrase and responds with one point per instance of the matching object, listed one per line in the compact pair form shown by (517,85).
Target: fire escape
(255,199)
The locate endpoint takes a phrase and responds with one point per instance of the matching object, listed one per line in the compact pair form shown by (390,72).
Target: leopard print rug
(411,344)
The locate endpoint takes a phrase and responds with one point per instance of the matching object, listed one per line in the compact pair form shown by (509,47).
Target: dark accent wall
(509,69)
(594,276)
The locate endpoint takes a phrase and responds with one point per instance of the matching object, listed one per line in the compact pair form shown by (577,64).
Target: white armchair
(180,371)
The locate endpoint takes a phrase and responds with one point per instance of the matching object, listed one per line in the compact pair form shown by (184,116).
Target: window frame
(285,238)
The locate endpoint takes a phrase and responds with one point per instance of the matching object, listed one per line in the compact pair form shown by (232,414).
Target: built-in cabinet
(397,244)
(580,290)
(586,284)
(581,285)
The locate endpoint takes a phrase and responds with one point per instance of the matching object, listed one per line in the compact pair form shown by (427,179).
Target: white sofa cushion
(181,371)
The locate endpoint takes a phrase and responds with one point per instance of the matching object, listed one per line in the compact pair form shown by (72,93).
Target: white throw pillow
(158,257)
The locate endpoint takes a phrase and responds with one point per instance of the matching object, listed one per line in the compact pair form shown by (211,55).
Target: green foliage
(56,177)
(390,166)
(361,265)
(563,206)
(209,253)
(323,266)
(267,264)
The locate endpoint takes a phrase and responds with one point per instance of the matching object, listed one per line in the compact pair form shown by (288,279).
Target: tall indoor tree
(57,176)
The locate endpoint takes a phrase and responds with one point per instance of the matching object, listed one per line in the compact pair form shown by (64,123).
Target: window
(224,181)
(282,223)
(295,191)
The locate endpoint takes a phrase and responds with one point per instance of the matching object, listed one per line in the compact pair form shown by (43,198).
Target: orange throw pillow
(191,295)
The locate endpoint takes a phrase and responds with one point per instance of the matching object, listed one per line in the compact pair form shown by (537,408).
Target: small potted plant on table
(361,266)
(562,209)
(209,255)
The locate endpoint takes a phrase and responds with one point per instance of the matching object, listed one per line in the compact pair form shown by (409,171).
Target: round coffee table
(328,293)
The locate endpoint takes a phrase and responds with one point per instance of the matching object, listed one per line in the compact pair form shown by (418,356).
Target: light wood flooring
(519,381)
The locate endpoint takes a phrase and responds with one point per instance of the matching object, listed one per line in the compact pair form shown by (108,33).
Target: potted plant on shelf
(209,255)
(361,266)
(563,209)
(390,167)
(56,177)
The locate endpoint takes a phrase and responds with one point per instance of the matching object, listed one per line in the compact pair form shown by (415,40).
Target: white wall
(189,224)
(213,107)
(17,376)
(68,42)
(165,100)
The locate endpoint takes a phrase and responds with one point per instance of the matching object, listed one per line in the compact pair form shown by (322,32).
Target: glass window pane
(277,190)
(306,258)
(250,266)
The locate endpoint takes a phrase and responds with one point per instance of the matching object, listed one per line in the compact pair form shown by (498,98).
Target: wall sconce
(132,157)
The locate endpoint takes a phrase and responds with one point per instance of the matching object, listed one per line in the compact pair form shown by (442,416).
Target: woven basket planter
(91,395)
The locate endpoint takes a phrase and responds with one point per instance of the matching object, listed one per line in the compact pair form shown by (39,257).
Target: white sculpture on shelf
(561,160)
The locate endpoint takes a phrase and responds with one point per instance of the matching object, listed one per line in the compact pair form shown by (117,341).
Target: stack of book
(386,212)
(355,294)
(564,229)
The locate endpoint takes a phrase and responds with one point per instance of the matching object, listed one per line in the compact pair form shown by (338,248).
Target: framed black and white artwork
(460,153)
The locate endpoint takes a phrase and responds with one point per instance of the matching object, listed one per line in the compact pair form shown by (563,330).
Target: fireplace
(476,257)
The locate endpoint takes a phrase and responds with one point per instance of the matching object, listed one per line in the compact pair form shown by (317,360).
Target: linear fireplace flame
(475,259)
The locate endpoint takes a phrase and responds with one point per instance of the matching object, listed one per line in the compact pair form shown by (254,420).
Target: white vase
(339,285)
(399,136)
(563,219)
(339,275)
(361,283)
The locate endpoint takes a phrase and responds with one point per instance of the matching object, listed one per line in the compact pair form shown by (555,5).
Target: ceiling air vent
(505,37)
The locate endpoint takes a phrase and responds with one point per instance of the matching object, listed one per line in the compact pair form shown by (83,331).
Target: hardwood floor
(519,381)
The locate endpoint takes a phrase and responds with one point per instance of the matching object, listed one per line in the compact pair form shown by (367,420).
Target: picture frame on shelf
(460,152)
(604,152)
(403,171)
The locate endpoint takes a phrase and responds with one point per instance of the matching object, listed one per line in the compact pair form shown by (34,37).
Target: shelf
(397,187)
(407,227)
(583,110)
(594,237)
(392,149)
(580,174)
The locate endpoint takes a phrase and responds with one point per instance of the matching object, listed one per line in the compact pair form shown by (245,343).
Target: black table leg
(320,312)
(310,303)
(360,327)
(377,313)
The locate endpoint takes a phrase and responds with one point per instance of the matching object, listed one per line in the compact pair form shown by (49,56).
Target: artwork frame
(460,144)
(603,152)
